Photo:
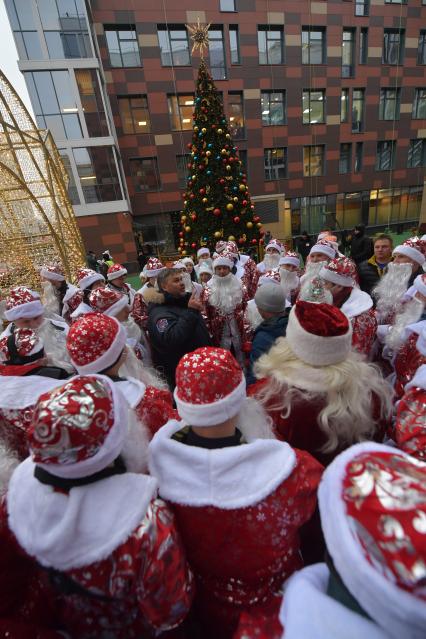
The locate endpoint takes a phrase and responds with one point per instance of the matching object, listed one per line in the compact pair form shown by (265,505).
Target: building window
(72,189)
(53,101)
(421,53)
(182,162)
(271,44)
(145,175)
(273,108)
(123,48)
(310,213)
(91,101)
(359,149)
(174,46)
(385,156)
(348,53)
(344,105)
(227,5)
(419,106)
(395,1)
(134,114)
(358,99)
(393,46)
(345,159)
(417,154)
(362,7)
(65,28)
(313,160)
(275,163)
(313,46)
(236,115)
(234,44)
(363,45)
(181,109)
(97,170)
(217,54)
(389,104)
(348,209)
(313,106)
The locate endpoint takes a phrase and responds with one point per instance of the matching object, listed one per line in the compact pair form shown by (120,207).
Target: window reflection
(97,170)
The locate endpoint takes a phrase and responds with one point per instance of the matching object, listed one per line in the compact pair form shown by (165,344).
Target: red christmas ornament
(189,166)
(193,217)
(256,218)
(191,197)
(254,241)
(213,126)
(252,207)
(236,219)
(241,240)
(193,245)
(201,167)
(189,146)
(216,212)
(245,202)
(180,233)
(261,241)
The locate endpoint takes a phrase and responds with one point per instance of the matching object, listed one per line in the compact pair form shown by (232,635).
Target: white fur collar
(308,612)
(20,392)
(227,478)
(419,379)
(81,309)
(357,303)
(85,526)
(133,390)
(240,272)
(417,327)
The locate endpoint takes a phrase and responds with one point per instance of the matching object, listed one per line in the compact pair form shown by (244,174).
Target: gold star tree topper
(199,36)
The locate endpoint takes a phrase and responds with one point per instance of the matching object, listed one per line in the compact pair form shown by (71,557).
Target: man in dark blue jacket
(271,303)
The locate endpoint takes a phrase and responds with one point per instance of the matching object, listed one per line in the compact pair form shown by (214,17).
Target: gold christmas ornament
(220,131)
(199,34)
(224,152)
(218,234)
(228,167)
(205,200)
(187,229)
(203,130)
(242,187)
(259,225)
(208,153)
(249,225)
(229,207)
(183,252)
(183,218)
(228,135)
(231,238)
(196,129)
(235,199)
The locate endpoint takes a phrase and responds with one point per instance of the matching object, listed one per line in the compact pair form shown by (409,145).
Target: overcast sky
(9,57)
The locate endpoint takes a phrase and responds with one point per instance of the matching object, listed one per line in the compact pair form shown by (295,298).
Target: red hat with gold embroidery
(210,387)
(95,342)
(270,277)
(372,501)
(104,300)
(114,271)
(152,268)
(232,248)
(275,244)
(291,257)
(319,334)
(414,248)
(22,344)
(79,428)
(341,271)
(53,272)
(86,277)
(22,303)
(221,246)
(324,248)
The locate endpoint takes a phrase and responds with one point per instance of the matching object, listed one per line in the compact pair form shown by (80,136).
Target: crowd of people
(234,451)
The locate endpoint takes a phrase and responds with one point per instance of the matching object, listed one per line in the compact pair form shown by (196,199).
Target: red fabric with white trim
(152,268)
(105,300)
(53,272)
(116,270)
(341,271)
(414,248)
(27,343)
(95,342)
(86,277)
(22,302)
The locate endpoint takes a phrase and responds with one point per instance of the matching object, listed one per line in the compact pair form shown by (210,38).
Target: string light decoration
(199,36)
(37,221)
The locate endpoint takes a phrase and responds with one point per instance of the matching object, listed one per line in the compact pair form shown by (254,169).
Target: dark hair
(164,276)
(383,236)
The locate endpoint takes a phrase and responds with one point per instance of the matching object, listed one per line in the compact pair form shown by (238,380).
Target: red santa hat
(86,277)
(420,284)
(72,299)
(52,272)
(221,246)
(372,501)
(340,271)
(291,257)
(22,303)
(95,342)
(152,268)
(325,248)
(104,300)
(210,387)
(78,429)
(224,259)
(270,277)
(232,248)
(275,244)
(25,344)
(414,248)
(319,334)
(115,271)
(202,251)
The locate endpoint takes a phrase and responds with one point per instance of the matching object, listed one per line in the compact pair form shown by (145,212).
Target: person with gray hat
(271,303)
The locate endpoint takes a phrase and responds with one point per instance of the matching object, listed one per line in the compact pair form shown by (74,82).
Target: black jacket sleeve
(167,330)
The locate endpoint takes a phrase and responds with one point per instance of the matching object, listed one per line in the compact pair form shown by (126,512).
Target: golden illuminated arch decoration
(37,221)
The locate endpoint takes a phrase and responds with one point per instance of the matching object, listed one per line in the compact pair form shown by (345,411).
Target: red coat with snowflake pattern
(410,427)
(407,361)
(216,321)
(140,310)
(250,277)
(364,327)
(155,408)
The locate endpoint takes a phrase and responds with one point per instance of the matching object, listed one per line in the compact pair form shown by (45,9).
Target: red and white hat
(341,271)
(72,299)
(22,303)
(27,344)
(270,277)
(178,265)
(203,250)
(414,248)
(52,272)
(210,387)
(420,284)
(291,257)
(224,259)
(325,248)
(104,300)
(372,501)
(232,248)
(114,271)
(86,277)
(152,268)
(319,334)
(221,246)
(275,244)
(95,342)
(78,429)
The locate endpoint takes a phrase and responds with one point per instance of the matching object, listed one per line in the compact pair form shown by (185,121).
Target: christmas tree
(217,201)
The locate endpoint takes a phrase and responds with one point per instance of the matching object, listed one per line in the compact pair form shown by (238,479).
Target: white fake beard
(391,288)
(271,261)
(132,329)
(253,421)
(135,445)
(207,260)
(410,313)
(187,281)
(226,293)
(311,272)
(314,291)
(289,279)
(253,316)
(49,297)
